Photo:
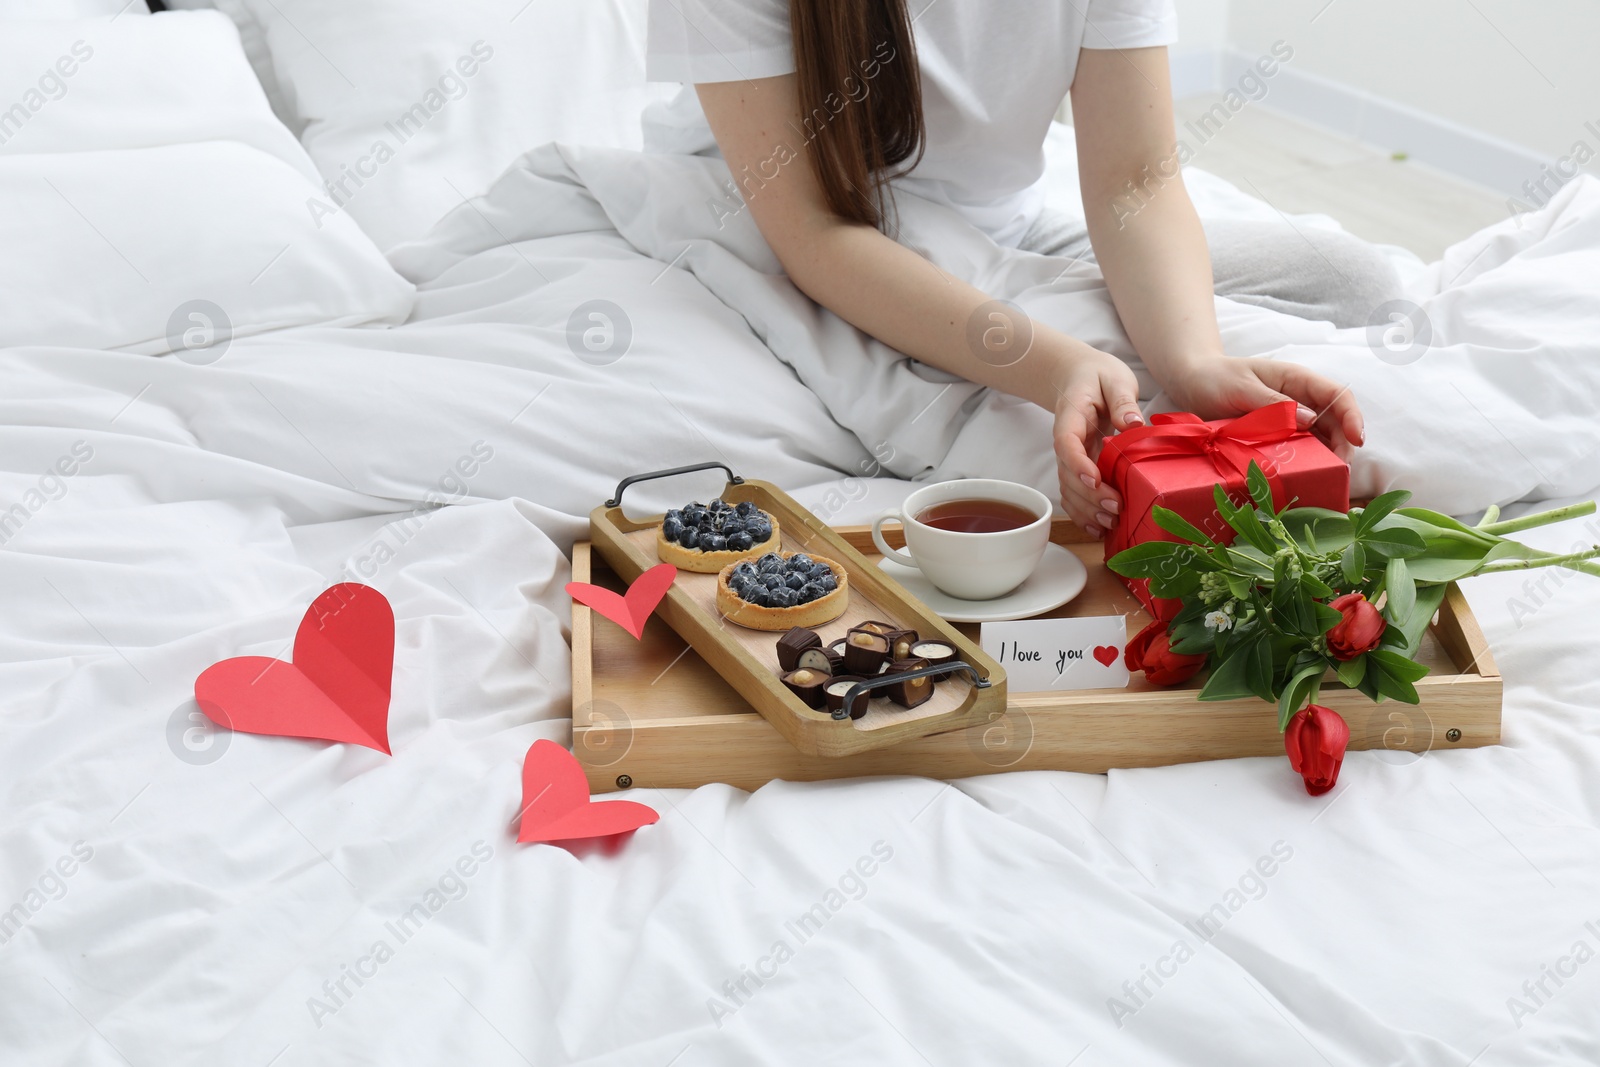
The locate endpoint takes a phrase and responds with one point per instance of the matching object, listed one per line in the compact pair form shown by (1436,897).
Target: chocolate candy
(865,651)
(909,692)
(838,686)
(791,644)
(877,626)
(901,642)
(825,660)
(807,685)
(935,652)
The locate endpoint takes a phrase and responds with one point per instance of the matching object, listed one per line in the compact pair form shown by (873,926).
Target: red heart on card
(633,610)
(556,804)
(337,688)
(1106,654)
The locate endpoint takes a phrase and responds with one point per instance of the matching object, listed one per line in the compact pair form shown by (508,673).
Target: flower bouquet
(1305,591)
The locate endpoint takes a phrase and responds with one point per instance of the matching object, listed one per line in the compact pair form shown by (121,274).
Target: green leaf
(1444,522)
(1333,528)
(1260,490)
(1297,692)
(1368,517)
(1178,526)
(1429,597)
(1402,590)
(1316,586)
(1230,679)
(1143,560)
(1390,674)
(1351,671)
(1394,541)
(1244,522)
(1238,586)
(1354,562)
(1326,617)
(1259,670)
(1399,666)
(1181,584)
(1438,568)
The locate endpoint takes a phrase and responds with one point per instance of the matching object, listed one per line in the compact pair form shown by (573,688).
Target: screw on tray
(624,781)
(1452,734)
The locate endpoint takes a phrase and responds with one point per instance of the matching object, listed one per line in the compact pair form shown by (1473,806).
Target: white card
(1043,654)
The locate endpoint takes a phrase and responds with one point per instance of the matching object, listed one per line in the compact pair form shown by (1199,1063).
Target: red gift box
(1176,460)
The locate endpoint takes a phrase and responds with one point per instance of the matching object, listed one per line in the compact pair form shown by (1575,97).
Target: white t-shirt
(992,73)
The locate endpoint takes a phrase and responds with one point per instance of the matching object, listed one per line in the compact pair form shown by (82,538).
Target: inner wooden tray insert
(746,659)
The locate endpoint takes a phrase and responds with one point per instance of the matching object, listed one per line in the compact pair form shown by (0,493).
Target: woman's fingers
(1332,404)
(1088,501)
(1121,391)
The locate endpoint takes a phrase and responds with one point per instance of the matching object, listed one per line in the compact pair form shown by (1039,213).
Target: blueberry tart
(777,591)
(707,537)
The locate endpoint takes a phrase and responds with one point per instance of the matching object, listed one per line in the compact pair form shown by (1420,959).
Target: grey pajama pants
(1300,271)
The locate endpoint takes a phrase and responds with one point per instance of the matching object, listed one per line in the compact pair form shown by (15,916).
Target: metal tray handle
(616,498)
(848,708)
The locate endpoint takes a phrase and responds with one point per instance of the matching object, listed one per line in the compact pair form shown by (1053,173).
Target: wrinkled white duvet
(177,896)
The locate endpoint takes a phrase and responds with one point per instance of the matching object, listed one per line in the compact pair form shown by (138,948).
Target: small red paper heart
(337,688)
(1106,654)
(556,804)
(633,610)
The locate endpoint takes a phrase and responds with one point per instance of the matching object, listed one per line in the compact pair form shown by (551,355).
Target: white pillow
(51,10)
(254,39)
(411,105)
(146,182)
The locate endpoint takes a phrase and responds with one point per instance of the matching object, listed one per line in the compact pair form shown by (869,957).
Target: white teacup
(970,566)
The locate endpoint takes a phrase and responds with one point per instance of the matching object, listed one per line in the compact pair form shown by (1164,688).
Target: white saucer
(1058,578)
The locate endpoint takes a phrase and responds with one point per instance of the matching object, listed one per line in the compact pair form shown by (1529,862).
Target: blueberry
(674,513)
(809,592)
(827,583)
(759,529)
(714,543)
(740,542)
(795,581)
(819,569)
(732,524)
(745,568)
(769,564)
(800,559)
(689,538)
(783,598)
(745,508)
(671,527)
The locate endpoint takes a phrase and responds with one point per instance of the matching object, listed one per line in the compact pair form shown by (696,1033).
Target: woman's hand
(1096,393)
(1220,387)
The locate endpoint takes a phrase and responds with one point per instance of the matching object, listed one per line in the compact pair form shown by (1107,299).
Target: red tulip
(1151,651)
(1315,741)
(1359,631)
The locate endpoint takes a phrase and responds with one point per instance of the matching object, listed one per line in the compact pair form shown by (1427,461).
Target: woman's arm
(1153,254)
(897,296)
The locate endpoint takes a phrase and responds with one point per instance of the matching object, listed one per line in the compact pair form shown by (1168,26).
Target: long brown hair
(860,97)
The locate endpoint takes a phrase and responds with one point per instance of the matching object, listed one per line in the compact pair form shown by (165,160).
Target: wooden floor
(1297,167)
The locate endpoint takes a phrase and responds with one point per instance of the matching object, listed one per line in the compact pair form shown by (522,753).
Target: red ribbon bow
(1230,446)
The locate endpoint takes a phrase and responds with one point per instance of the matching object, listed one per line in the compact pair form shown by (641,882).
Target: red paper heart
(1106,654)
(337,688)
(632,611)
(556,804)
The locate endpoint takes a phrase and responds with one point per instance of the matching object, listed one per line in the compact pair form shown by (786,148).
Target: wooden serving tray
(746,659)
(654,713)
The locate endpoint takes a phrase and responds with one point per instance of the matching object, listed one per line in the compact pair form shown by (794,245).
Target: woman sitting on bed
(953,103)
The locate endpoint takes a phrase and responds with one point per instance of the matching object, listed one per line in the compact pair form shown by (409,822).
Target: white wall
(1489,89)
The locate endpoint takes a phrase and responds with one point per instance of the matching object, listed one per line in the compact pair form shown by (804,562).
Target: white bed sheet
(226,887)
